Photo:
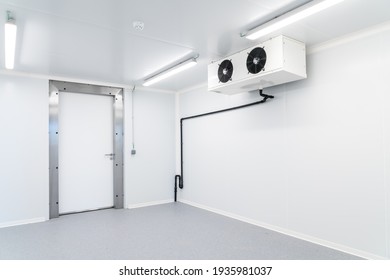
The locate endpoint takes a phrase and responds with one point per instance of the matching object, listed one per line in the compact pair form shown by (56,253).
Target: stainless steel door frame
(55,89)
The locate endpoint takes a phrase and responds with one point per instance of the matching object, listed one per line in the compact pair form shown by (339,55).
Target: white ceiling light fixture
(171,71)
(10,41)
(290,17)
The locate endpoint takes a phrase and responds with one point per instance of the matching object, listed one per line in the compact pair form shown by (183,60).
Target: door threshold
(86,211)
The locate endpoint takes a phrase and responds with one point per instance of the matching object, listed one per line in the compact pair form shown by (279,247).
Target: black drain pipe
(179,178)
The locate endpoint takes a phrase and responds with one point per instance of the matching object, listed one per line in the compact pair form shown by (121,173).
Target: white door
(85,138)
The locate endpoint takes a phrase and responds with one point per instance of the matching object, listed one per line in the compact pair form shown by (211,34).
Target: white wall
(313,162)
(24,150)
(149,174)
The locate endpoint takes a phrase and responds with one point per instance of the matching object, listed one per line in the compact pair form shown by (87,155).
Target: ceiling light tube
(171,71)
(290,17)
(10,41)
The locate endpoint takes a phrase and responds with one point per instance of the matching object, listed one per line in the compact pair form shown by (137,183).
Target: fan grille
(225,71)
(256,60)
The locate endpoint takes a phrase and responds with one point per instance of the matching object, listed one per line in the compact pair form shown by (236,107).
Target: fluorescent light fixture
(171,71)
(290,17)
(10,42)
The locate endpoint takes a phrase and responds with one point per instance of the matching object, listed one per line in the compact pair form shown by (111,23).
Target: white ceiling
(95,40)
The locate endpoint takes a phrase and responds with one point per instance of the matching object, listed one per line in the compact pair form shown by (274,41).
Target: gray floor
(170,231)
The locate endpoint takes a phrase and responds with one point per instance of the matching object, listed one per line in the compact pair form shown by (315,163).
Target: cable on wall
(179,179)
(133,151)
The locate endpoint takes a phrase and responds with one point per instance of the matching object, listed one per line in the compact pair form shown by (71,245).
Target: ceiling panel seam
(363,33)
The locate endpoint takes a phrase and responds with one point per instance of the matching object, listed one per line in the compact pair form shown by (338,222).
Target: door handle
(110,155)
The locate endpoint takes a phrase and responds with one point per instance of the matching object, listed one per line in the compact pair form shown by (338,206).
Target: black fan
(225,71)
(256,60)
